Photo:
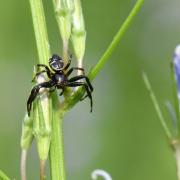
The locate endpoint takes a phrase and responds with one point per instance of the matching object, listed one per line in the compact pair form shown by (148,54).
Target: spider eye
(57,65)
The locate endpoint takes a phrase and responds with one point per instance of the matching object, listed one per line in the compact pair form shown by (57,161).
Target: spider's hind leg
(76,78)
(75,84)
(87,81)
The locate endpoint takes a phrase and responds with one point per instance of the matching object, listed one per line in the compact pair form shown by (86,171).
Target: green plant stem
(57,166)
(157,108)
(43,48)
(56,146)
(57,150)
(3,176)
(117,38)
(40,30)
(44,54)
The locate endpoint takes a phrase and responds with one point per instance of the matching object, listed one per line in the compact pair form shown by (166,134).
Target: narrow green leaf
(172,116)
(3,176)
(156,106)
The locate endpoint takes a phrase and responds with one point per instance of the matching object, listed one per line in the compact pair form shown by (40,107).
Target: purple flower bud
(176,61)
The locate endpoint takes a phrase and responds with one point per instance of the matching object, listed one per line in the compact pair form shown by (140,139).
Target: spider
(59,79)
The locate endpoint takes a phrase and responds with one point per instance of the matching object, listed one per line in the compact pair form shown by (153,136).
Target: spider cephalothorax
(58,75)
(56,63)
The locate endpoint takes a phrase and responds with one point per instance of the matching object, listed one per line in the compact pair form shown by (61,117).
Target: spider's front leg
(35,91)
(75,84)
(69,62)
(46,70)
(74,68)
(37,74)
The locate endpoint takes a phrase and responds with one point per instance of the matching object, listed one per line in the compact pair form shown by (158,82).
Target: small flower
(176,62)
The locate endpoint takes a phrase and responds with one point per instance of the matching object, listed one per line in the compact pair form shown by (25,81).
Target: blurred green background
(123,135)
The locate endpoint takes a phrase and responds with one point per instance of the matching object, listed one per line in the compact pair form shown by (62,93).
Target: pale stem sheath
(42,169)
(23,164)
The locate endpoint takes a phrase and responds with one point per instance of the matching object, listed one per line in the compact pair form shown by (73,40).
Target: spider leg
(72,69)
(34,93)
(47,70)
(87,80)
(52,89)
(62,92)
(67,65)
(76,78)
(84,97)
(75,84)
(38,73)
(69,62)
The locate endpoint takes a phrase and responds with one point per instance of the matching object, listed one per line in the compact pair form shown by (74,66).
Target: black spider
(59,79)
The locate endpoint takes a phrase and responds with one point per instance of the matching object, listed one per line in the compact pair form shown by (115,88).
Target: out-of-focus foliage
(123,134)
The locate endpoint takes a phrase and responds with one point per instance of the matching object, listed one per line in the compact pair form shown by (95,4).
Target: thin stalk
(26,140)
(57,151)
(117,38)
(42,169)
(57,167)
(173,117)
(157,108)
(176,149)
(177,156)
(23,164)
